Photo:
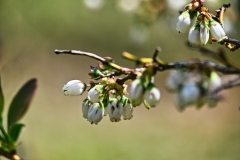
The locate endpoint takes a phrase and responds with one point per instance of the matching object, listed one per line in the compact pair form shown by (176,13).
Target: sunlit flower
(114,110)
(217,31)
(184,22)
(74,88)
(204,34)
(94,94)
(85,108)
(136,91)
(194,35)
(95,113)
(152,96)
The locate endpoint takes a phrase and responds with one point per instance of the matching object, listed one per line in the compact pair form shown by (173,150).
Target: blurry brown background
(55,129)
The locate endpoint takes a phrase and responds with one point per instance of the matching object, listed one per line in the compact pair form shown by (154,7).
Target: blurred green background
(55,129)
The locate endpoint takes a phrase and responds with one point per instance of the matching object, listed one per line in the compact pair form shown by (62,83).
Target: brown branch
(232,44)
(220,55)
(10,155)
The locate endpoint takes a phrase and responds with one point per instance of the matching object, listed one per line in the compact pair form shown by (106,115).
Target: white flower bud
(85,108)
(214,81)
(194,35)
(114,110)
(95,113)
(174,79)
(136,91)
(217,31)
(152,96)
(74,88)
(204,34)
(184,22)
(189,94)
(94,94)
(127,111)
(179,102)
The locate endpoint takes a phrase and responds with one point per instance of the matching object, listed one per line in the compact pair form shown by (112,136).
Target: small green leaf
(21,102)
(15,130)
(1,99)
(2,139)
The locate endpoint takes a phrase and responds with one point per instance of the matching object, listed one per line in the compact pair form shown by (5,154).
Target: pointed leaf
(21,102)
(1,99)
(15,131)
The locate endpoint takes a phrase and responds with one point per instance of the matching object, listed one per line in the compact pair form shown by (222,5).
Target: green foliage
(15,130)
(21,102)
(1,100)
(16,111)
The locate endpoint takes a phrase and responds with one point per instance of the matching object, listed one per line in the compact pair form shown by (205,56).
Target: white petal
(217,31)
(184,22)
(194,36)
(204,35)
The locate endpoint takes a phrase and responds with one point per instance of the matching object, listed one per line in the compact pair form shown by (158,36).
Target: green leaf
(1,99)
(2,139)
(15,130)
(21,102)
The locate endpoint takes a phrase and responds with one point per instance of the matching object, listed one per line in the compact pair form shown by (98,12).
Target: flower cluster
(193,88)
(109,96)
(205,25)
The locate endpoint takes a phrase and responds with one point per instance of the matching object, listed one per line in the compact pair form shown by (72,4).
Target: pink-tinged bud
(114,110)
(194,35)
(94,94)
(152,96)
(204,34)
(217,31)
(184,22)
(95,113)
(136,91)
(74,88)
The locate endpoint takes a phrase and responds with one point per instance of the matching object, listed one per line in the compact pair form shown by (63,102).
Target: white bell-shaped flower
(74,88)
(136,91)
(174,80)
(184,22)
(215,81)
(114,110)
(179,102)
(194,35)
(85,108)
(127,112)
(94,94)
(217,31)
(204,34)
(95,113)
(152,96)
(189,94)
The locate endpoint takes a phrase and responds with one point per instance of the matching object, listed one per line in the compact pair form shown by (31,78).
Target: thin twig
(94,56)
